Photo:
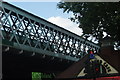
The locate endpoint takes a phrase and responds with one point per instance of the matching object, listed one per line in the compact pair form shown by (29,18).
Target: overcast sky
(50,12)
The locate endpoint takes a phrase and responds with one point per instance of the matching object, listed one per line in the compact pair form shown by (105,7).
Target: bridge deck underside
(21,66)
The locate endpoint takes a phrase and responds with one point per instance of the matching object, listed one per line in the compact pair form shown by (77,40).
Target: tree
(95,18)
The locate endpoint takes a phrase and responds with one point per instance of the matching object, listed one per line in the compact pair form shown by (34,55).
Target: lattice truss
(22,30)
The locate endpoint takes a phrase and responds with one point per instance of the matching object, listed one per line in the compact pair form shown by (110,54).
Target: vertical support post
(0,57)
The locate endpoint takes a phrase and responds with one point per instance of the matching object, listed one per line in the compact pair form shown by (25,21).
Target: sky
(50,12)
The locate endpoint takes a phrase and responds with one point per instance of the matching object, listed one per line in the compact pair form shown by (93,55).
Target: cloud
(66,24)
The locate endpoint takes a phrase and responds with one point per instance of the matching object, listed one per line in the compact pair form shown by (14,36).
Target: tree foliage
(95,18)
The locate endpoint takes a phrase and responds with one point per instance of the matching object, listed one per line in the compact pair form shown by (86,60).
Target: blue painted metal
(92,56)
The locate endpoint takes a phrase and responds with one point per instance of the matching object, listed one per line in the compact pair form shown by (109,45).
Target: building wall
(111,56)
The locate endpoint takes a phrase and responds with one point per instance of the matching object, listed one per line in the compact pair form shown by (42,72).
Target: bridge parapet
(26,31)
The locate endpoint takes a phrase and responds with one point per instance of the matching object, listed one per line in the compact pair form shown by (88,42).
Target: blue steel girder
(26,31)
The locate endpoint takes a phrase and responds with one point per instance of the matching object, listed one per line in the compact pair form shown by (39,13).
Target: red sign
(104,78)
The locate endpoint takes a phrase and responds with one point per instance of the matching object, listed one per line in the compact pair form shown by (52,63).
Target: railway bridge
(32,44)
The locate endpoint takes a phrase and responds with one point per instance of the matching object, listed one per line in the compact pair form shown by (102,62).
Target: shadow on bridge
(21,66)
